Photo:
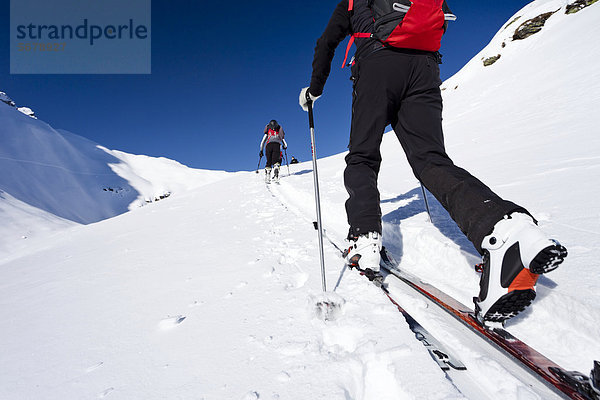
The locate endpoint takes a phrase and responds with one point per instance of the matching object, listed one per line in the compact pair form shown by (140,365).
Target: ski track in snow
(495,380)
(160,317)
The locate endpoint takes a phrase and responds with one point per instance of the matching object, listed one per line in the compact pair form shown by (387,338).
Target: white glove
(304,99)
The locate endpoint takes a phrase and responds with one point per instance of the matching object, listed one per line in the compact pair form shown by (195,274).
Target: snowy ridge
(60,177)
(25,110)
(156,177)
(209,294)
(4,98)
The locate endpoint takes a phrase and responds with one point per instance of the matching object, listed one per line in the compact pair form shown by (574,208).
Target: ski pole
(258,166)
(311,123)
(426,203)
(286,161)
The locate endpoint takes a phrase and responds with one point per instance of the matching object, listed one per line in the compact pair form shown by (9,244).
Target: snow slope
(210,294)
(206,295)
(57,177)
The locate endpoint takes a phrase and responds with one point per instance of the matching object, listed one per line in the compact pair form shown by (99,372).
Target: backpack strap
(351,42)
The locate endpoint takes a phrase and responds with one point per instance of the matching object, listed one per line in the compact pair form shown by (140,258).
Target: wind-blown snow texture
(209,294)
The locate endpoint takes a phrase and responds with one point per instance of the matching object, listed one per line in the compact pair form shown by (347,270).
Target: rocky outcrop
(490,60)
(578,6)
(25,110)
(5,99)
(532,26)
(512,22)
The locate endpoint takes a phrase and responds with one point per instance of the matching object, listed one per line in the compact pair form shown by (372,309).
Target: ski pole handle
(311,121)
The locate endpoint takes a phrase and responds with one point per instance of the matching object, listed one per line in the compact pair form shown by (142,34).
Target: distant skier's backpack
(273,135)
(417,24)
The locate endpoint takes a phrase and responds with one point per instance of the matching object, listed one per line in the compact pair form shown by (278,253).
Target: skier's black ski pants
(273,153)
(402,88)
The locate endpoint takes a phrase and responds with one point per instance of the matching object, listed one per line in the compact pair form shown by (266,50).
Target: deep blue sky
(220,72)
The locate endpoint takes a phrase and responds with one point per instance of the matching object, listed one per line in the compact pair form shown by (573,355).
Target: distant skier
(396,81)
(273,138)
(294,160)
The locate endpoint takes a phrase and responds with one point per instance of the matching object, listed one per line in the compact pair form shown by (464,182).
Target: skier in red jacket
(273,138)
(396,81)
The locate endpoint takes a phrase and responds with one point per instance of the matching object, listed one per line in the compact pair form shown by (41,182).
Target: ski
(570,384)
(566,384)
(438,352)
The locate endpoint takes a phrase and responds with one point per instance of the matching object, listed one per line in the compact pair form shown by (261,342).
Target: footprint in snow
(268,340)
(293,349)
(94,367)
(105,393)
(251,396)
(283,376)
(171,322)
(196,303)
(298,281)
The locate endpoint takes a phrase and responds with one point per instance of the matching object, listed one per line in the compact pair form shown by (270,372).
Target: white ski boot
(515,253)
(276,173)
(268,175)
(364,251)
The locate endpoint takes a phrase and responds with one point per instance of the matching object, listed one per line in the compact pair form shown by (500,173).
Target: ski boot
(515,253)
(364,252)
(268,175)
(276,173)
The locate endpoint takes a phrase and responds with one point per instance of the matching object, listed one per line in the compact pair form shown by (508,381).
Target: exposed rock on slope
(578,6)
(532,26)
